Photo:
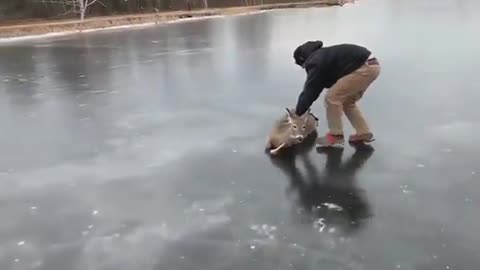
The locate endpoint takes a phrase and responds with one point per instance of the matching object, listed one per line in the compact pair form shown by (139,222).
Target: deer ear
(290,114)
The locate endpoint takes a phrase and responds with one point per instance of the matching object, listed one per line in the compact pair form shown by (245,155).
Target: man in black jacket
(347,70)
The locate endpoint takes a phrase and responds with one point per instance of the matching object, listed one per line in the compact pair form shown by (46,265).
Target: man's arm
(312,88)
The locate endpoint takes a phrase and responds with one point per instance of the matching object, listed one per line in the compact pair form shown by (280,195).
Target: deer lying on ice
(291,129)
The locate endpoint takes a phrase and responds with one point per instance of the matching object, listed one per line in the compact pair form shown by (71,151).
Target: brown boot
(361,138)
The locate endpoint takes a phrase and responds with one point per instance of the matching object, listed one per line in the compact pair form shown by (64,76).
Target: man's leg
(365,76)
(346,91)
(334,99)
(356,118)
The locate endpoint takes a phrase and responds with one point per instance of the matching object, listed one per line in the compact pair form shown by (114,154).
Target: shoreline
(66,27)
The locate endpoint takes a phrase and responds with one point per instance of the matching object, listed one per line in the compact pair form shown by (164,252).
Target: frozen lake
(143,148)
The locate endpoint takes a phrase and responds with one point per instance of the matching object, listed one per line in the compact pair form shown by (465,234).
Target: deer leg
(275,151)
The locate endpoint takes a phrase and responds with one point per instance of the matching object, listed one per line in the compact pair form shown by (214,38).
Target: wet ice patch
(95,212)
(101,91)
(210,206)
(420,165)
(126,161)
(38,95)
(117,142)
(297,246)
(264,230)
(193,51)
(459,132)
(146,243)
(207,213)
(405,189)
(118,66)
(21,243)
(36,264)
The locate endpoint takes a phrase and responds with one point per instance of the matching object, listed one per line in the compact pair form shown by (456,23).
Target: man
(347,70)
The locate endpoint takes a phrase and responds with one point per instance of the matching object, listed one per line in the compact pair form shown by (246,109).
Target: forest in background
(12,10)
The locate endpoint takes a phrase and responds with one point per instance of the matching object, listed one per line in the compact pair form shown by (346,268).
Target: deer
(290,130)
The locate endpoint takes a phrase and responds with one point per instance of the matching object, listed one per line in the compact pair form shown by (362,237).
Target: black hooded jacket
(324,66)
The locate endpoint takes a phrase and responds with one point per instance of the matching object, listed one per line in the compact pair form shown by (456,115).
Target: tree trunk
(82,6)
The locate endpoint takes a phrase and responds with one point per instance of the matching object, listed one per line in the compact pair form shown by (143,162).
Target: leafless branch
(101,3)
(89,3)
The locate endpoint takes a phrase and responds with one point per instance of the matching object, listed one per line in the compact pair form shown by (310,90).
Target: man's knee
(348,106)
(332,101)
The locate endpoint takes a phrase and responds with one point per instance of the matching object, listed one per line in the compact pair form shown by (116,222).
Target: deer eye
(304,127)
(294,126)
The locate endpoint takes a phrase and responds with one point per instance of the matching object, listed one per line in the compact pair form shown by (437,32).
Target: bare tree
(205,3)
(77,6)
(83,5)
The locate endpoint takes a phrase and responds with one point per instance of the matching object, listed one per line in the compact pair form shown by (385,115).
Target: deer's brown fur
(290,129)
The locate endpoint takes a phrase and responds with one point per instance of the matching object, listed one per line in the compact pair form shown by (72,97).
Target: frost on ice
(319,224)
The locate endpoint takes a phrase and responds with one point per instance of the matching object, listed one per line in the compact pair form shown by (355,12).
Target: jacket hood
(303,52)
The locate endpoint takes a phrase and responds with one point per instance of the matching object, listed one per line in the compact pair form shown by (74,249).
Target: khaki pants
(342,98)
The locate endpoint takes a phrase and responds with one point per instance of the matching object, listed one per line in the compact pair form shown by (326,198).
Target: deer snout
(299,138)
